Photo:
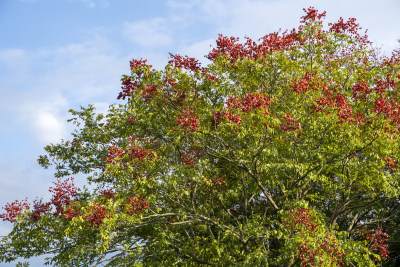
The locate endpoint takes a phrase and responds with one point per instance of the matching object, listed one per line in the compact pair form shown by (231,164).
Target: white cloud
(49,128)
(39,93)
(149,33)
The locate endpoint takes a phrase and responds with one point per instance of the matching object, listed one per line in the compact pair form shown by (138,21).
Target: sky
(57,55)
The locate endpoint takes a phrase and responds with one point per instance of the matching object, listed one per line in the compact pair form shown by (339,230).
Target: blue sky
(60,54)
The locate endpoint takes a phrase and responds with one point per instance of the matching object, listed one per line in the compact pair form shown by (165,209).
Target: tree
(281,152)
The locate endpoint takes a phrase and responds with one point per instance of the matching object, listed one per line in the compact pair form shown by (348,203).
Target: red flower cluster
(289,123)
(220,116)
(137,204)
(216,118)
(139,67)
(188,121)
(376,240)
(179,96)
(329,245)
(14,210)
(136,152)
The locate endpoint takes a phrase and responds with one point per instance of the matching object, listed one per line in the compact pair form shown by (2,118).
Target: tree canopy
(280,152)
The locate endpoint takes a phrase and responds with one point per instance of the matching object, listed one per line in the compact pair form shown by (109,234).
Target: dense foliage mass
(281,152)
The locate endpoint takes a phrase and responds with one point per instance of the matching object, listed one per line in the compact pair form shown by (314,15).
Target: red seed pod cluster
(137,66)
(128,88)
(390,110)
(136,204)
(187,121)
(136,152)
(14,210)
(191,64)
(148,92)
(71,212)
(173,93)
(302,221)
(391,163)
(131,120)
(188,63)
(39,208)
(349,26)
(383,85)
(108,193)
(230,46)
(249,102)
(289,123)
(361,90)
(217,118)
(97,213)
(114,152)
(339,101)
(214,183)
(312,15)
(308,82)
(63,193)
(235,118)
(191,155)
(301,217)
(377,242)
(139,153)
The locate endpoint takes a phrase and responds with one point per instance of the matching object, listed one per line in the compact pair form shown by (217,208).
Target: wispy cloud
(93,3)
(255,18)
(155,32)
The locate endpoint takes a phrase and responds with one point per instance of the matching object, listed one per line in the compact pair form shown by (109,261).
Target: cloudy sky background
(61,54)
